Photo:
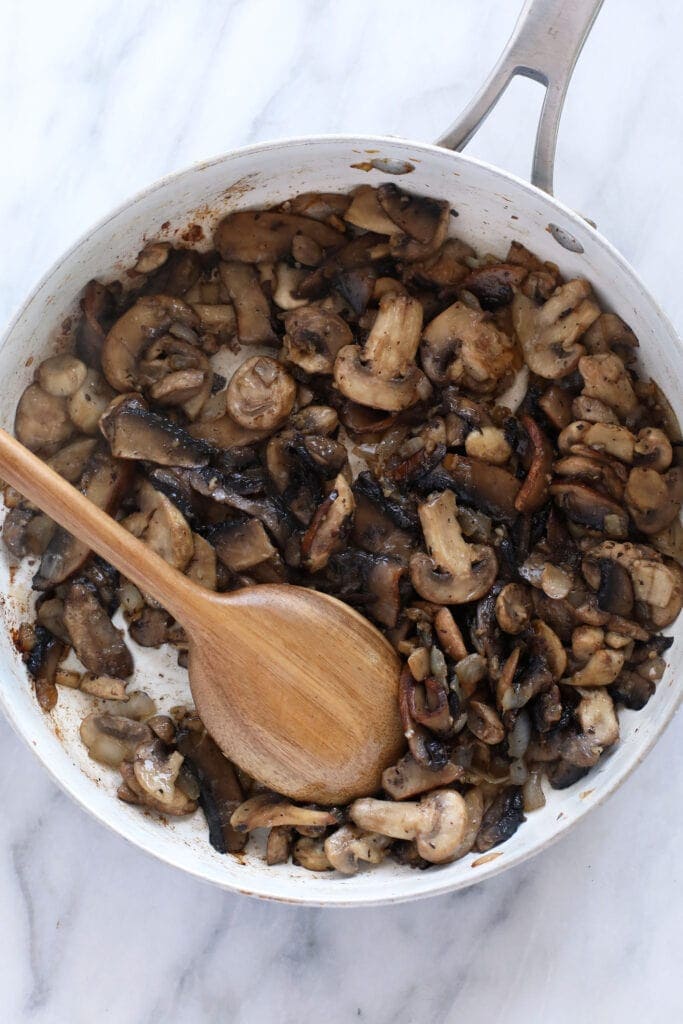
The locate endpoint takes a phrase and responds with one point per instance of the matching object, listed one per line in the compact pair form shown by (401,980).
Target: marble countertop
(99,98)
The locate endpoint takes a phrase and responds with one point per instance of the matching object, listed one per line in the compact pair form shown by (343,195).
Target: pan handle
(544,46)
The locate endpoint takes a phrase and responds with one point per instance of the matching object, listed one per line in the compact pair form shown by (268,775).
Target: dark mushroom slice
(491,489)
(422,222)
(463,346)
(96,641)
(265,236)
(372,583)
(242,546)
(590,508)
(176,275)
(104,482)
(134,432)
(597,471)
(321,206)
(151,627)
(98,306)
(26,532)
(328,527)
(534,491)
(494,284)
(381,526)
(615,591)
(631,689)
(272,512)
(219,790)
(453,572)
(313,337)
(501,820)
(42,664)
(261,394)
(252,311)
(383,374)
(42,421)
(150,317)
(653,450)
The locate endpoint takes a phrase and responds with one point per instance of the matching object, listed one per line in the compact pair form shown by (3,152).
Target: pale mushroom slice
(111,739)
(156,771)
(349,846)
(383,374)
(606,379)
(313,337)
(61,375)
(165,529)
(454,571)
(654,499)
(151,316)
(437,823)
(87,404)
(597,717)
(463,346)
(549,333)
(261,394)
(42,421)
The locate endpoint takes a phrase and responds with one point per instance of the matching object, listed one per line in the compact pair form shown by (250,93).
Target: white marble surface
(97,99)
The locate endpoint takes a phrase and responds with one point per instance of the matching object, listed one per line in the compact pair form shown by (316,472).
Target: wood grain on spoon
(295,687)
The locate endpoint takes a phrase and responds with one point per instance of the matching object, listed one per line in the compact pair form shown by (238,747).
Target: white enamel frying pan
(494,207)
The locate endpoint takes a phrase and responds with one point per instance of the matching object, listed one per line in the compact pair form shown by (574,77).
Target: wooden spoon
(296,688)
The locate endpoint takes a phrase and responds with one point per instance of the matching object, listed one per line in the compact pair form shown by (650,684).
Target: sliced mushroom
(42,664)
(202,566)
(105,687)
(252,311)
(605,377)
(153,778)
(590,508)
(266,811)
(450,637)
(557,404)
(652,450)
(98,311)
(61,375)
(261,394)
(488,444)
(242,546)
(349,846)
(330,522)
(133,432)
(494,284)
(533,493)
(437,823)
(597,717)
(112,739)
(219,790)
(654,499)
(25,532)
(104,482)
(514,608)
(592,410)
(151,316)
(313,337)
(42,421)
(491,489)
(610,334)
(310,854)
(407,778)
(366,212)
(547,644)
(463,346)
(264,236)
(601,669)
(596,470)
(71,460)
(549,334)
(484,722)
(422,222)
(165,528)
(454,571)
(175,372)
(501,819)
(383,374)
(96,641)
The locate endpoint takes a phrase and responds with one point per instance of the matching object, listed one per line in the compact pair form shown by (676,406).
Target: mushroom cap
(151,315)
(261,394)
(358,382)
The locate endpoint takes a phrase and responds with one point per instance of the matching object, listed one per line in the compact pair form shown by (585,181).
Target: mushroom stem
(437,822)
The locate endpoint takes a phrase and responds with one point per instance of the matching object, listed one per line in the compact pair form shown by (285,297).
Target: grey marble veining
(97,99)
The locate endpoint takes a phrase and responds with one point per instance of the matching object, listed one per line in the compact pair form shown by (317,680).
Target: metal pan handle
(544,45)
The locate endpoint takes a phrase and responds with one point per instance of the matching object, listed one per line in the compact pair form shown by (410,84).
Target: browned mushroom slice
(164,527)
(267,810)
(366,212)
(176,373)
(202,565)
(261,394)
(313,337)
(543,278)
(501,820)
(407,778)
(491,489)
(383,374)
(42,664)
(152,780)
(594,469)
(494,284)
(151,316)
(242,546)
(549,334)
(42,421)
(104,482)
(264,236)
(224,432)
(609,334)
(653,499)
(652,450)
(322,206)
(454,571)
(96,641)
(219,790)
(133,432)
(591,410)
(216,486)
(445,269)
(422,222)
(556,403)
(605,377)
(251,306)
(534,491)
(590,508)
(329,524)
(97,305)
(514,608)
(71,460)
(26,532)
(349,846)
(463,346)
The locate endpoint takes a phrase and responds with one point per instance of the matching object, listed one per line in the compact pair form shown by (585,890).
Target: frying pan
(493,208)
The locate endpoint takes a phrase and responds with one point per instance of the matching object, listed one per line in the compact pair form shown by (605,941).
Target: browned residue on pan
(486,859)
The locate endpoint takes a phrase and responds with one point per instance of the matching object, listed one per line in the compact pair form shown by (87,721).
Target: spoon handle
(72,510)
